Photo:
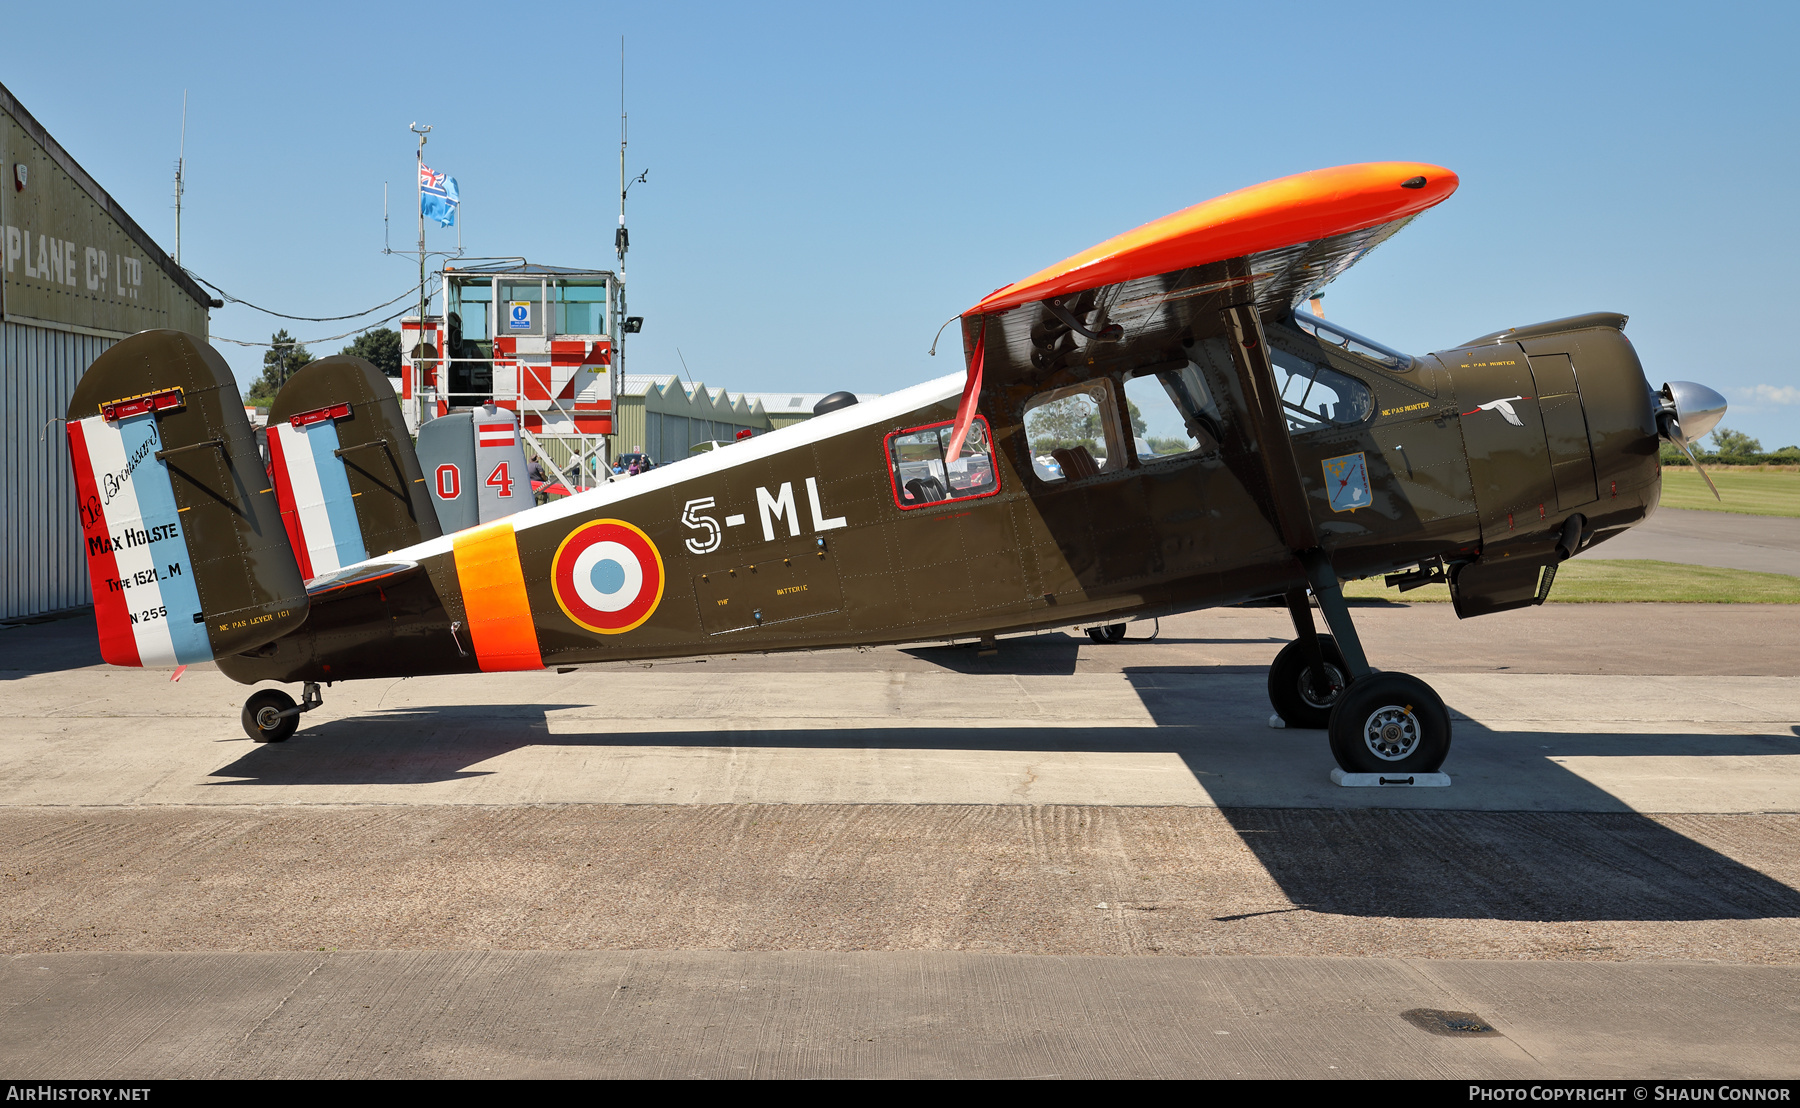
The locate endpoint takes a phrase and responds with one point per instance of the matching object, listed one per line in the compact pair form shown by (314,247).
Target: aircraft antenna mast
(180,184)
(621,243)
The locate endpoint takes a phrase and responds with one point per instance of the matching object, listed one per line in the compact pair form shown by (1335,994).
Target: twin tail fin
(186,552)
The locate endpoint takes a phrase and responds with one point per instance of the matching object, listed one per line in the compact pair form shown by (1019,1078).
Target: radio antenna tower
(621,238)
(180,182)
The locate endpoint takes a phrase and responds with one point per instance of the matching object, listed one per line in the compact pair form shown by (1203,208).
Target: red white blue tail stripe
(313,490)
(146,601)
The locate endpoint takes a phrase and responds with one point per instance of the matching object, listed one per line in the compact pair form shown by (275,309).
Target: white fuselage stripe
(883,410)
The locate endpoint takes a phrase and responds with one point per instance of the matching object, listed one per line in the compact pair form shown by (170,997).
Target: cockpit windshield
(1347,340)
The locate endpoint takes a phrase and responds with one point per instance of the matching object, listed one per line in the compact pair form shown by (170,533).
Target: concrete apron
(602,1013)
(1150,735)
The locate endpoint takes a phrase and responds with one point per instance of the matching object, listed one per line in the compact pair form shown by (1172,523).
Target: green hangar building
(78,274)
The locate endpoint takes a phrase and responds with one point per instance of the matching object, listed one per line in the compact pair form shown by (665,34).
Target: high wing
(1136,297)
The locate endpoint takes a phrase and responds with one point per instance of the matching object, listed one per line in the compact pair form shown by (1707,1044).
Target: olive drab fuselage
(804,538)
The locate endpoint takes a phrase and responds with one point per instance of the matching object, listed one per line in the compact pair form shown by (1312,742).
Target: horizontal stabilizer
(186,552)
(361,578)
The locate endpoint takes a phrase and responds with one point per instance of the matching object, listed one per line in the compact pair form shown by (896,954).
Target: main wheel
(1390,723)
(1299,694)
(1112,632)
(263,720)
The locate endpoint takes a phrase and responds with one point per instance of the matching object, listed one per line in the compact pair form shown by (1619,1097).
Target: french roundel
(608,576)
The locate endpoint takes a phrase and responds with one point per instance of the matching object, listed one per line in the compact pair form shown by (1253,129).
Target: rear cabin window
(1074,432)
(923,473)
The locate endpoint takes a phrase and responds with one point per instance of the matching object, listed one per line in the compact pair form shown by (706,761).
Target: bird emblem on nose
(1504,407)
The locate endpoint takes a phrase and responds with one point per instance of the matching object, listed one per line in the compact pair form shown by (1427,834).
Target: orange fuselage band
(493,590)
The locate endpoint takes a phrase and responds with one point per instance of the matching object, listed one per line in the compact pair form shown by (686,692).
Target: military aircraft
(1155,425)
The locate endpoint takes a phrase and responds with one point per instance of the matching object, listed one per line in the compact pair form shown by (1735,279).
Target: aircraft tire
(1390,723)
(1112,632)
(272,701)
(1293,691)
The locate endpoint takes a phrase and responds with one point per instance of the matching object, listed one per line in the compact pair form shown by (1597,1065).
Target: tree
(284,358)
(1074,421)
(1071,421)
(1138,427)
(381,346)
(1734,443)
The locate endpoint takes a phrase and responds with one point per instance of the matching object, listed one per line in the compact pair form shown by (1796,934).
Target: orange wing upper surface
(1303,208)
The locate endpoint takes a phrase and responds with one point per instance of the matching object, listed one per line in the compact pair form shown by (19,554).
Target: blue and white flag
(438,197)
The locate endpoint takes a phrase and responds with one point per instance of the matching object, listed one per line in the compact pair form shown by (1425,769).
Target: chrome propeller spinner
(1685,413)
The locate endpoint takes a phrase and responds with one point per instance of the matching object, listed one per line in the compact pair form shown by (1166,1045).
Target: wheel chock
(1390,780)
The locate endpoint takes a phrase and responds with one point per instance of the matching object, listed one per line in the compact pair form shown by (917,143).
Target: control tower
(544,341)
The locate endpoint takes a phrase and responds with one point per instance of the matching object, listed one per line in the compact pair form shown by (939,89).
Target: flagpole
(419,177)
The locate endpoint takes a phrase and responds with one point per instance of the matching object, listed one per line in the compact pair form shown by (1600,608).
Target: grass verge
(1751,491)
(1627,581)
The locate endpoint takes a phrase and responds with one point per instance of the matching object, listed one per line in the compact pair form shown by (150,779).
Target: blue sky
(829,183)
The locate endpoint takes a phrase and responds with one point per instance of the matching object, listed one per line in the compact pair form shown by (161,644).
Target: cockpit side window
(1074,432)
(1313,396)
(918,459)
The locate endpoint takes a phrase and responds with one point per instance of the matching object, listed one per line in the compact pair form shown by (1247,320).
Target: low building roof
(698,399)
(508,266)
(797,403)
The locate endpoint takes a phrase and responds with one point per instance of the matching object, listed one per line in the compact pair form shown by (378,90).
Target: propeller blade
(1702,469)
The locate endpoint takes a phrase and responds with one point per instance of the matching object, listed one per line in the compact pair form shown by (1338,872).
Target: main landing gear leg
(271,715)
(1382,722)
(1309,674)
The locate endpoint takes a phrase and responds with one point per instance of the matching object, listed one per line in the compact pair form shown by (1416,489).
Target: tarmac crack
(276,1010)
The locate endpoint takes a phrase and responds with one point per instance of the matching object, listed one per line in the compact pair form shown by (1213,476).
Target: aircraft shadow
(1599,861)
(1529,866)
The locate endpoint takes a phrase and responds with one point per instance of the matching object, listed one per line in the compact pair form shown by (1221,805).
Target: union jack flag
(438,196)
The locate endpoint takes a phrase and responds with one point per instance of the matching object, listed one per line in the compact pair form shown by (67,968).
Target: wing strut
(965,411)
(1275,449)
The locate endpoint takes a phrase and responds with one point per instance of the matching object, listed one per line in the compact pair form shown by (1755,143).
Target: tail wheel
(1390,723)
(262,717)
(1112,632)
(1300,694)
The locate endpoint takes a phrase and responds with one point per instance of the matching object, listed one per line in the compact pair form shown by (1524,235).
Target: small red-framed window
(921,476)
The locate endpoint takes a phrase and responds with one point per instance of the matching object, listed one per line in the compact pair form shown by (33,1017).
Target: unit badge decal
(1347,482)
(608,576)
